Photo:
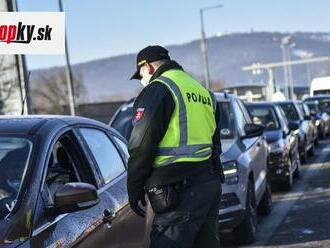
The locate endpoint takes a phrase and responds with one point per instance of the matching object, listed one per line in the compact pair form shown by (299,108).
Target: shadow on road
(307,224)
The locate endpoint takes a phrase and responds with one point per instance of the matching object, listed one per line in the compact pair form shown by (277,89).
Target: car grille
(228,200)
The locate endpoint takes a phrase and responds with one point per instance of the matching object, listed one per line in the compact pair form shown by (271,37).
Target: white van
(320,85)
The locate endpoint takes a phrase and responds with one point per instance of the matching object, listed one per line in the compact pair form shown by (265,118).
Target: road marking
(269,224)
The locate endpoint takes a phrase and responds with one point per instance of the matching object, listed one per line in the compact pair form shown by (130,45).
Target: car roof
(317,97)
(262,104)
(294,102)
(30,124)
(224,96)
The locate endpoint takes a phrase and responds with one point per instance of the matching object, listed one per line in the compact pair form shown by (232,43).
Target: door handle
(108,216)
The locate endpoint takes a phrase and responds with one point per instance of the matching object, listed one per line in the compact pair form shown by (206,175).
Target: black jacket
(152,112)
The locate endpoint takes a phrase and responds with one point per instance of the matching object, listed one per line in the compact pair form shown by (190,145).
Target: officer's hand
(136,205)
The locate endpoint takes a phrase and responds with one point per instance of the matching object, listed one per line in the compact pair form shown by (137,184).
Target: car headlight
(276,147)
(230,170)
(317,122)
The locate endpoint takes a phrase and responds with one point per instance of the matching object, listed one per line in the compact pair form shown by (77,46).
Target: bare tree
(9,85)
(50,93)
(217,85)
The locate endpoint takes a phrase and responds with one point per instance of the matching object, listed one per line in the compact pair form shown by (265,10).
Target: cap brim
(136,75)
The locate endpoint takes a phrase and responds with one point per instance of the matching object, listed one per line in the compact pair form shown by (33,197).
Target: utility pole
(22,71)
(68,72)
(204,49)
(284,45)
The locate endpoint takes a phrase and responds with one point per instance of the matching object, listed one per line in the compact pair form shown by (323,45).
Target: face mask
(144,82)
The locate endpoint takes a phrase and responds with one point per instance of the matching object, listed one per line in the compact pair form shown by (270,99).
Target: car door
(66,162)
(253,147)
(289,137)
(110,156)
(307,124)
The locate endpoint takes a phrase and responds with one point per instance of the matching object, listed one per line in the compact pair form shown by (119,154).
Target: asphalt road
(300,217)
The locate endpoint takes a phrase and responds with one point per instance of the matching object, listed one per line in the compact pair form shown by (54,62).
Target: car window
(283,120)
(14,158)
(244,111)
(306,109)
(105,153)
(264,115)
(290,111)
(226,120)
(240,119)
(61,169)
(123,146)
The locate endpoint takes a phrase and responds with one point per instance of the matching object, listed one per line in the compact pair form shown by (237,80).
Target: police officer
(174,153)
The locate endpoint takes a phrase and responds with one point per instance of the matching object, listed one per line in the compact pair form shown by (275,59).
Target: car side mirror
(284,134)
(253,130)
(75,196)
(307,118)
(293,126)
(313,113)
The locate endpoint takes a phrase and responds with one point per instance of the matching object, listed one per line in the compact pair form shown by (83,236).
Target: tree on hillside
(50,93)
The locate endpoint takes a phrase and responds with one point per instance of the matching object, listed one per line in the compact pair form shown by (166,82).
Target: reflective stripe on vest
(183,150)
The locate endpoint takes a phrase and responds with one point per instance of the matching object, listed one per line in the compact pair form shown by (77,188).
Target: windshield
(325,105)
(123,121)
(14,157)
(313,106)
(264,115)
(226,123)
(304,109)
(290,111)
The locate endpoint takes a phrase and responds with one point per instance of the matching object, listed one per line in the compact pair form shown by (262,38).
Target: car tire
(245,232)
(303,157)
(296,173)
(289,181)
(265,206)
(311,151)
(321,133)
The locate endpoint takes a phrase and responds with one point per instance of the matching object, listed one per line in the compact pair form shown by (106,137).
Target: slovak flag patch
(139,114)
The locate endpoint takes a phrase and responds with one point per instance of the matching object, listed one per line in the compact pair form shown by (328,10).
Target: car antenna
(24,100)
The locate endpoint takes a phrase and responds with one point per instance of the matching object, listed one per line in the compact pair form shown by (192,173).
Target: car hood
(272,136)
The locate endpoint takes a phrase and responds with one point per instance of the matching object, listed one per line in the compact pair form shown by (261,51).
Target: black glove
(135,206)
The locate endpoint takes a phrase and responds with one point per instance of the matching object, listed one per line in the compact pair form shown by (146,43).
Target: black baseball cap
(147,55)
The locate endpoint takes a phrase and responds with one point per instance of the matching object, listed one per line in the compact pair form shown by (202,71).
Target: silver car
(246,191)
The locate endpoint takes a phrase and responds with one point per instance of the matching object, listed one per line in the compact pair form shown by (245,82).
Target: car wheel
(322,132)
(245,232)
(265,206)
(303,157)
(311,151)
(296,173)
(289,181)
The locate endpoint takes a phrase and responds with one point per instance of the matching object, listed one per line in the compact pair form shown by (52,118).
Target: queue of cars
(254,156)
(63,179)
(283,154)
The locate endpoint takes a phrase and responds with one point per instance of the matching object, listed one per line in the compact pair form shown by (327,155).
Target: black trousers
(194,223)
